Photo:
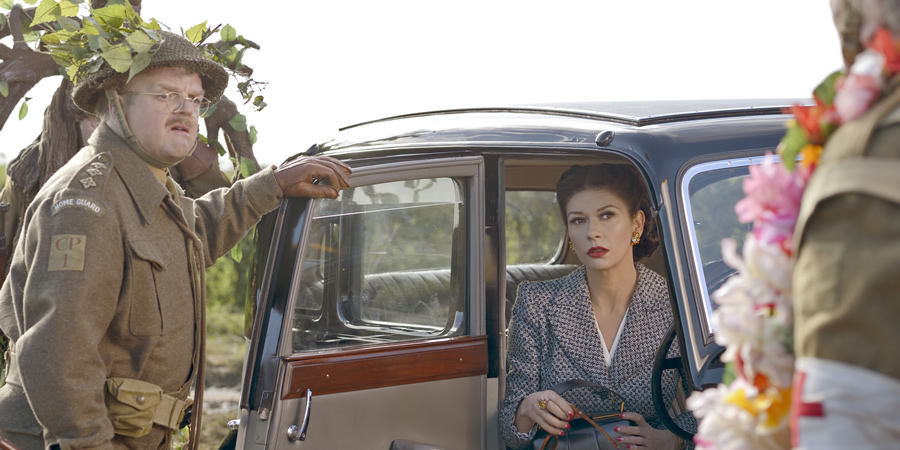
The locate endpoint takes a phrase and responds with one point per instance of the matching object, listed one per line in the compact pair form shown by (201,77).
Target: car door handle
(299,434)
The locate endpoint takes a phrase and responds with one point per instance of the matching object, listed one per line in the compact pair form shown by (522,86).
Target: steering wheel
(661,363)
(716,273)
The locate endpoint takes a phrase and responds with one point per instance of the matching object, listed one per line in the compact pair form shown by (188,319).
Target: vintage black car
(378,320)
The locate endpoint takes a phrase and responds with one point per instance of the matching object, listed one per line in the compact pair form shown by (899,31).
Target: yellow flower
(738,397)
(775,405)
(772,406)
(811,154)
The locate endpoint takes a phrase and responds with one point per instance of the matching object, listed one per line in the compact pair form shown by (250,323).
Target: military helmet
(174,51)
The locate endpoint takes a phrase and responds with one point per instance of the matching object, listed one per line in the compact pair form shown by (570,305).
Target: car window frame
(470,168)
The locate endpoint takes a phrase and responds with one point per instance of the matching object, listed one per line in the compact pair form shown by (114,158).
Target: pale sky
(334,63)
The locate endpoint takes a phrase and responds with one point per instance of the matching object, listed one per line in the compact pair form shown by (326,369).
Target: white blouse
(608,354)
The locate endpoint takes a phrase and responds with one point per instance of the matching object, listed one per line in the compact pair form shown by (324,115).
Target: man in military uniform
(104,303)
(846,283)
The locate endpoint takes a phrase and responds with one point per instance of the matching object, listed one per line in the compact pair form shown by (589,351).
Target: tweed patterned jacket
(553,338)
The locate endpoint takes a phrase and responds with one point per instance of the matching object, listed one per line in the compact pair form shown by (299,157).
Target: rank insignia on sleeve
(94,172)
(88,182)
(98,165)
(67,252)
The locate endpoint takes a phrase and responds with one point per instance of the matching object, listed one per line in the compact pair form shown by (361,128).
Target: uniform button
(140,400)
(103,158)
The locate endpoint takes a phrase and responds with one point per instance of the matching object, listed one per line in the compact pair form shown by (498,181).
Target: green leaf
(826,89)
(23,110)
(69,24)
(4,88)
(112,16)
(47,11)
(31,2)
(118,57)
(238,122)
(791,144)
(195,33)
(252,134)
(248,167)
(140,42)
(68,9)
(6,4)
(729,374)
(220,148)
(228,33)
(236,253)
(93,28)
(259,103)
(72,73)
(3,21)
(141,61)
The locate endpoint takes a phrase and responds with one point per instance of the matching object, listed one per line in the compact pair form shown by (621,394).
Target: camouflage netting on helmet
(174,51)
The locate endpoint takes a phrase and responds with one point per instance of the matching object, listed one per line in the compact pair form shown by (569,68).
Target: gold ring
(542,404)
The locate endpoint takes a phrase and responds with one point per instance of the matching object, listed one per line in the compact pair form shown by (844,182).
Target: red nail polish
(622,416)
(571,414)
(619,438)
(568,425)
(616,429)
(562,433)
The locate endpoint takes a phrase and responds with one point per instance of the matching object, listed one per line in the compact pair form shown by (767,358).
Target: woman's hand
(553,418)
(643,435)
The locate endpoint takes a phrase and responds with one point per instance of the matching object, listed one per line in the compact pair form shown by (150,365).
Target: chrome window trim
(696,262)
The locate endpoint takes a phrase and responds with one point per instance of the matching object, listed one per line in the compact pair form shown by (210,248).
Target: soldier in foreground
(104,303)
(846,288)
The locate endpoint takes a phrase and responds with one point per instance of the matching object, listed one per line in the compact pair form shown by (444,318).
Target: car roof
(637,113)
(667,132)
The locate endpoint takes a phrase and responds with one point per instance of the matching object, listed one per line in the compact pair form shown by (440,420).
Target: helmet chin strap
(113,97)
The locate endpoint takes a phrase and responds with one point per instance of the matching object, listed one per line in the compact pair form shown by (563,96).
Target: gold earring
(635,238)
(571,246)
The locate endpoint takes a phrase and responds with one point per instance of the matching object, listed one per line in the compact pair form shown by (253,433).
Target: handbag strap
(572,384)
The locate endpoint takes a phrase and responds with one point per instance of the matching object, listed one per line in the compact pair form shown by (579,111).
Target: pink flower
(856,93)
(771,202)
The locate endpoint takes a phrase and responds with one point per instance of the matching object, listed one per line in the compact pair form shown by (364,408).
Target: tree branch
(237,142)
(21,67)
(15,27)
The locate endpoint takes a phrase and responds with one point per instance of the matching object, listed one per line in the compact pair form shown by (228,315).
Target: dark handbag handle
(572,384)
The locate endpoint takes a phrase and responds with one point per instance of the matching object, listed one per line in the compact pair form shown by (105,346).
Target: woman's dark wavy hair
(622,180)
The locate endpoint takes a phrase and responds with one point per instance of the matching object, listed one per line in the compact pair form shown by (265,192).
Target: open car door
(368,327)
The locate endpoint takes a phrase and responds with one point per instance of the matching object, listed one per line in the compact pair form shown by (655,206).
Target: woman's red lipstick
(596,252)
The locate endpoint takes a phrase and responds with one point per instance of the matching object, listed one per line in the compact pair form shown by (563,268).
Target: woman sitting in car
(602,323)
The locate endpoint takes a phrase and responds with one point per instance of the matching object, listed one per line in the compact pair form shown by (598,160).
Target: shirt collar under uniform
(146,191)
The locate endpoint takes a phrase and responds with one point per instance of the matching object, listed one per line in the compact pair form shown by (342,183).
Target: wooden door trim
(385,365)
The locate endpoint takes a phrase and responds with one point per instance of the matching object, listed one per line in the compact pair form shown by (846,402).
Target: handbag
(587,431)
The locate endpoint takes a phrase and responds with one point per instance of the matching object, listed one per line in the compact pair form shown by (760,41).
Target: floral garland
(754,320)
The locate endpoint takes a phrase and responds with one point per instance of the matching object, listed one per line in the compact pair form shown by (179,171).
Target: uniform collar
(146,191)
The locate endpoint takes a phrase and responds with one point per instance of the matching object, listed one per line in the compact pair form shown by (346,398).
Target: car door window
(382,262)
(534,229)
(711,192)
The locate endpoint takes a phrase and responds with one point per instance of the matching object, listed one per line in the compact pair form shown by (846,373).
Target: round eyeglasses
(175,101)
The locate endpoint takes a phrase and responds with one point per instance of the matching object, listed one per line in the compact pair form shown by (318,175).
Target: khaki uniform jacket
(100,286)
(846,283)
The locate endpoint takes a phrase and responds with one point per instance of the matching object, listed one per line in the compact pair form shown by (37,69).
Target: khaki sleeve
(72,264)
(12,194)
(224,216)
